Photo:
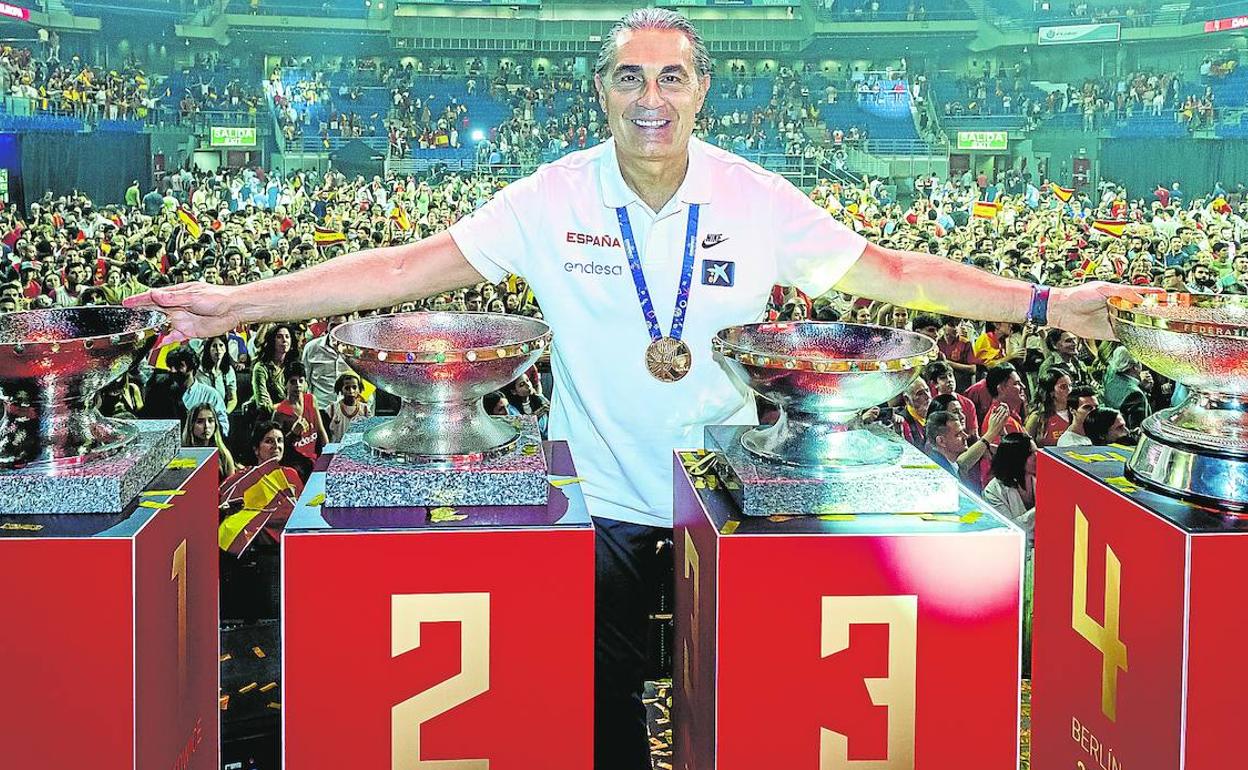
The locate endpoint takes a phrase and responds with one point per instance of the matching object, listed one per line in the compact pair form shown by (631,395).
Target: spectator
(216,369)
(1125,388)
(184,366)
(1012,490)
(1084,400)
(268,378)
(1050,414)
(201,431)
(300,419)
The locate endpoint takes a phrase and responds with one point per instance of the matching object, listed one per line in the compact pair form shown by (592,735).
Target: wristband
(1038,312)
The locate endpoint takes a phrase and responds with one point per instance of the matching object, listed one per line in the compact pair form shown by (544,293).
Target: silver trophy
(819,456)
(58,454)
(1197,450)
(53,363)
(442,448)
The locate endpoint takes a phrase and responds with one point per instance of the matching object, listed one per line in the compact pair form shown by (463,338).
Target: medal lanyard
(639,278)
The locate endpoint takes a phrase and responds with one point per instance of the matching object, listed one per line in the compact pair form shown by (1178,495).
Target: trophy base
(103,485)
(913,484)
(359,476)
(1213,479)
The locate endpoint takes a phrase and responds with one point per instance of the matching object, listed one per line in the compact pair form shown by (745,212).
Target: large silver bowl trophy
(442,447)
(819,456)
(1197,450)
(53,364)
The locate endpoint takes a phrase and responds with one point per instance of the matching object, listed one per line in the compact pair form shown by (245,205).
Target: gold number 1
(1103,638)
(691,570)
(178,576)
(407,613)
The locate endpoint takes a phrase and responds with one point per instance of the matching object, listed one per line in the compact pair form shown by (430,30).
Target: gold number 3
(1103,638)
(407,613)
(896,691)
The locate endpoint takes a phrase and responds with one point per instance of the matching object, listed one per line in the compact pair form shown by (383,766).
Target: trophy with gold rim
(1197,450)
(820,457)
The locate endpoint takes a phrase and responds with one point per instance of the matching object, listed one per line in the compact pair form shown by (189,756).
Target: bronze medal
(668,359)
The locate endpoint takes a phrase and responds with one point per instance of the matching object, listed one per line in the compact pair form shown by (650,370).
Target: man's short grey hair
(654,18)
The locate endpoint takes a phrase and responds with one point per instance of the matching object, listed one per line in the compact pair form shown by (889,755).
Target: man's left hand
(1082,310)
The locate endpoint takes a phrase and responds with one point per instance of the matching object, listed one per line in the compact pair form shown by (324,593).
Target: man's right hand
(195,309)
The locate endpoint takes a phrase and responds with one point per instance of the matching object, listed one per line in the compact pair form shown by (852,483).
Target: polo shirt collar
(696,187)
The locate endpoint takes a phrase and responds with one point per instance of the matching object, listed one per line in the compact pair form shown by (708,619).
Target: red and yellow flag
(985,210)
(267,497)
(1063,194)
(325,237)
(400,218)
(188,221)
(1111,227)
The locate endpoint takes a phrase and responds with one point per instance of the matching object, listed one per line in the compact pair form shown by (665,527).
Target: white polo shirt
(558,228)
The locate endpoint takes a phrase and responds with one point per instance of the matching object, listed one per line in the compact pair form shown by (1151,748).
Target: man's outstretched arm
(938,285)
(360,281)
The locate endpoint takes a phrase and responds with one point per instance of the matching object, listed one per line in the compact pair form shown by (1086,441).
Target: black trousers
(627,574)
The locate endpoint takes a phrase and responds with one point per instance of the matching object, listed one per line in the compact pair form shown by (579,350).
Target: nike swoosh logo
(712,241)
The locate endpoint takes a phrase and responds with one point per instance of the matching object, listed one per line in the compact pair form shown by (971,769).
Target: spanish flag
(324,237)
(267,497)
(189,222)
(400,218)
(1111,227)
(985,209)
(1063,194)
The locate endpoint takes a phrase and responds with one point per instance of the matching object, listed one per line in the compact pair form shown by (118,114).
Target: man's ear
(602,93)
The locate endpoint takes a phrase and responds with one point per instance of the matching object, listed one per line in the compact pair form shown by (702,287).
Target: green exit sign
(992,141)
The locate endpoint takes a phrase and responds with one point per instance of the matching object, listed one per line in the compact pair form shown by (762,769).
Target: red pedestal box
(1137,624)
(842,643)
(412,642)
(108,631)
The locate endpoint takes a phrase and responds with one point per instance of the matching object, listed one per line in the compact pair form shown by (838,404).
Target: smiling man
(639,250)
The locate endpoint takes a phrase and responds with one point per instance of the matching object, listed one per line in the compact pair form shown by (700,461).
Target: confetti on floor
(658,702)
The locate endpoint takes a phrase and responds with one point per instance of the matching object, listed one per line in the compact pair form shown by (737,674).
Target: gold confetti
(712,482)
(275,705)
(970,517)
(248,688)
(269,686)
(780,518)
(699,482)
(529,450)
(444,514)
(566,482)
(182,463)
(162,493)
(837,517)
(155,505)
(949,517)
(258,651)
(1122,484)
(318,500)
(729,527)
(224,700)
(1090,458)
(224,657)
(21,527)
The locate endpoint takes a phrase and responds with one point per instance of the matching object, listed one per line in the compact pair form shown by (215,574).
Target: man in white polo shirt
(639,250)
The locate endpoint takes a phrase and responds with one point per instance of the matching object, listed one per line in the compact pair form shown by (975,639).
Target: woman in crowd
(1050,412)
(1012,490)
(268,379)
(201,430)
(216,369)
(347,409)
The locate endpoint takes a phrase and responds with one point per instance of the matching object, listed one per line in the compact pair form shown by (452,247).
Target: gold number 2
(178,575)
(407,613)
(1103,638)
(896,691)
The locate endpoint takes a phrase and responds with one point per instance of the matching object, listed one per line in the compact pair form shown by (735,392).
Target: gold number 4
(1103,637)
(407,613)
(896,691)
